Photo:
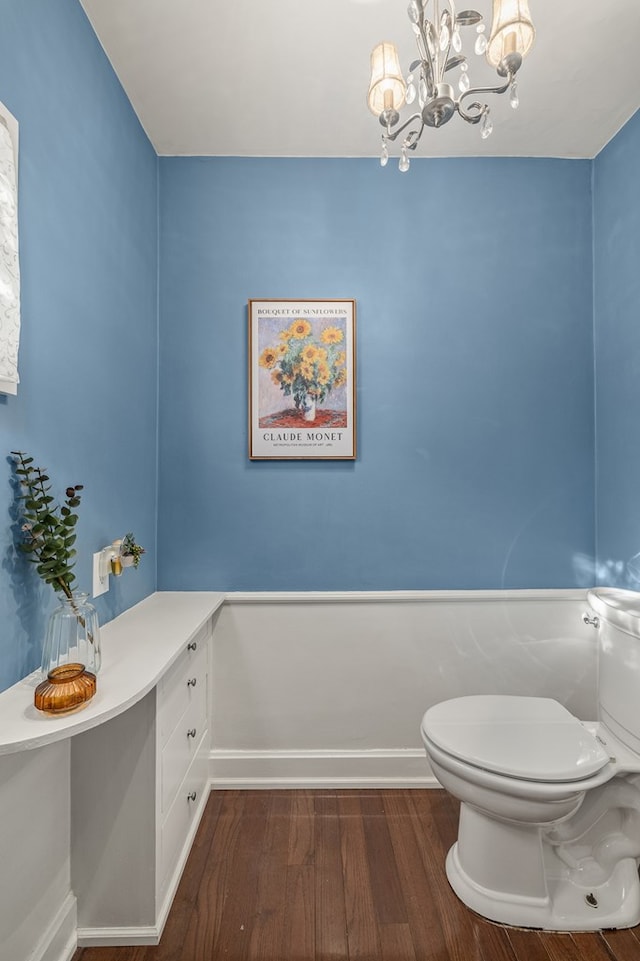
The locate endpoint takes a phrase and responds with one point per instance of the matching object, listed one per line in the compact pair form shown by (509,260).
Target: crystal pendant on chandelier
(456,40)
(445,33)
(464,82)
(486,125)
(481,40)
(384,154)
(403,166)
(514,99)
(410,95)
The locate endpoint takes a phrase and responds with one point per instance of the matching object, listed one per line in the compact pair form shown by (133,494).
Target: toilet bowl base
(565,907)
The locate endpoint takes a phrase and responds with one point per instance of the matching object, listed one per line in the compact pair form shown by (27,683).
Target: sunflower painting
(301,379)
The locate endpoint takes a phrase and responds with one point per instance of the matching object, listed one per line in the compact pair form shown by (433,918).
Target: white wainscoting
(328,689)
(37,907)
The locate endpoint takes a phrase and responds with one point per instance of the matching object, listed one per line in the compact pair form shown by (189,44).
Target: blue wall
(617,351)
(473,282)
(476,282)
(86,406)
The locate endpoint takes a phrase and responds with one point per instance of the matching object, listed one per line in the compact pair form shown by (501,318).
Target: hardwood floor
(333,875)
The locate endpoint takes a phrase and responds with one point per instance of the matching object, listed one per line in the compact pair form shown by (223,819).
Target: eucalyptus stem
(49,529)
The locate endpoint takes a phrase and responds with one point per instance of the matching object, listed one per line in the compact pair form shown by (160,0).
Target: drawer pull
(191,732)
(192,646)
(191,682)
(191,796)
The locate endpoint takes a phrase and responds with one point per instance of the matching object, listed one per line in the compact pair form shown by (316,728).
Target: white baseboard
(399,768)
(118,937)
(59,942)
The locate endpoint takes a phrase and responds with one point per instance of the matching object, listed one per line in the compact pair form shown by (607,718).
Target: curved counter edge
(138,647)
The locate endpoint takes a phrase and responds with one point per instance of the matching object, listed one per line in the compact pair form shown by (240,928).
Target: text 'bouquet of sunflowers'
(304,368)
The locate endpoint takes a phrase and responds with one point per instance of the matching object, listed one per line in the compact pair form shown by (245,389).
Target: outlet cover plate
(100,584)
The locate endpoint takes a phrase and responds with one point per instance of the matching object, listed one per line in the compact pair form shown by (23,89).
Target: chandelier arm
(474,118)
(394,136)
(423,49)
(445,53)
(436,40)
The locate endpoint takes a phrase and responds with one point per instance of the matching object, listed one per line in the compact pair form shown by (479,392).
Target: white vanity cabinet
(138,789)
(183,750)
(136,774)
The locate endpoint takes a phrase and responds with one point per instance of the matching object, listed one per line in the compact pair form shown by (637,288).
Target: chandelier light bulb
(512,31)
(387,88)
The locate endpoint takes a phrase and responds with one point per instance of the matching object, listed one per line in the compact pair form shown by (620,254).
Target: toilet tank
(619,662)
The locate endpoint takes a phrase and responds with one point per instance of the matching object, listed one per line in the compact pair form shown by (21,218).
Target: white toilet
(549,833)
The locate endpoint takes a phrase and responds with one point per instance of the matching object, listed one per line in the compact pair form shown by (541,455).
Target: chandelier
(439,33)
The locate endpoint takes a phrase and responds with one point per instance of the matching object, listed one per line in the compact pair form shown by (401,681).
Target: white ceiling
(289,77)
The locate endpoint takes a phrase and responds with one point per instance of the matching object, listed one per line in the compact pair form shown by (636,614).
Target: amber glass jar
(67,688)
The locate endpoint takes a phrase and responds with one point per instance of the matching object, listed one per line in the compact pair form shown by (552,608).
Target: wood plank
(576,947)
(267,930)
(460,927)
(527,945)
(299,940)
(138,953)
(422,909)
(202,933)
(362,922)
(174,934)
(236,921)
(623,944)
(302,834)
(493,941)
(386,889)
(330,926)
(396,943)
(591,947)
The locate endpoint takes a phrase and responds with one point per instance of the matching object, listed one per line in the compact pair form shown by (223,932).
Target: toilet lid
(533,738)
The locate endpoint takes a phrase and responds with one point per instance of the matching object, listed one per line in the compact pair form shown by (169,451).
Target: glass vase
(73,635)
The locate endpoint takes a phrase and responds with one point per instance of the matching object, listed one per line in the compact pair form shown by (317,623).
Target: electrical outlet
(100,575)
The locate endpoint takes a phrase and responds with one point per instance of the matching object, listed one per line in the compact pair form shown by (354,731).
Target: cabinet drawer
(182,685)
(181,747)
(179,819)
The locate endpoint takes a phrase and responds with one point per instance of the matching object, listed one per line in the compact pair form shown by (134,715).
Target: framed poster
(302,379)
